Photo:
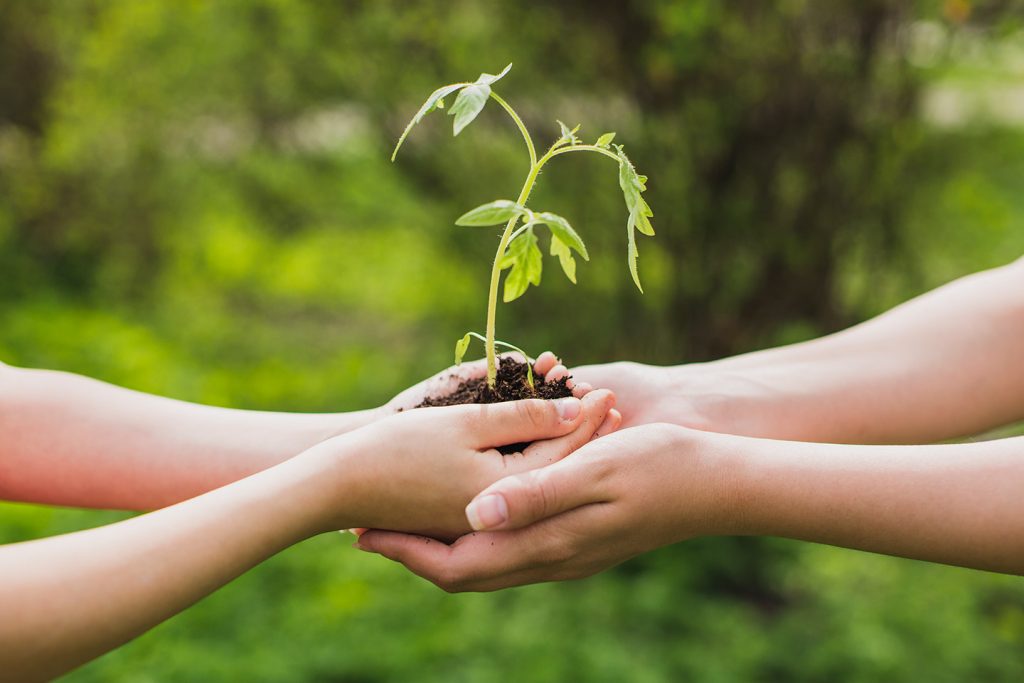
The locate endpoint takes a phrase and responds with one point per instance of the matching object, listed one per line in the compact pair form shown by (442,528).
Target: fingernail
(568,408)
(487,512)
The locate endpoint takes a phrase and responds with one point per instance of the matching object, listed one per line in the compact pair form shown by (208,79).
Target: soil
(510,385)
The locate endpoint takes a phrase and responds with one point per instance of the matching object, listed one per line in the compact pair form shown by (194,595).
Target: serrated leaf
(488,79)
(561,229)
(526,261)
(492,213)
(461,346)
(605,140)
(643,223)
(436,100)
(633,185)
(632,256)
(565,258)
(468,105)
(516,250)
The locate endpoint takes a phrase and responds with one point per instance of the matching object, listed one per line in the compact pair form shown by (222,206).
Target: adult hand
(417,470)
(609,501)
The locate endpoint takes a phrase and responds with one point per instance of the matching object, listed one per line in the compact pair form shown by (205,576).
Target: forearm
(67,599)
(956,504)
(943,365)
(69,440)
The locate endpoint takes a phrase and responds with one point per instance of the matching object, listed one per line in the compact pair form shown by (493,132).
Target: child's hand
(417,471)
(444,382)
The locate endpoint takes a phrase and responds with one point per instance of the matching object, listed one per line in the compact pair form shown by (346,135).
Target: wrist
(329,488)
(715,397)
(716,468)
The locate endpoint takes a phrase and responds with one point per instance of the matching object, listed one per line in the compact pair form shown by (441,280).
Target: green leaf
(568,136)
(561,229)
(633,185)
(643,223)
(605,140)
(468,110)
(435,101)
(468,104)
(461,346)
(526,356)
(488,79)
(632,256)
(568,263)
(526,261)
(492,213)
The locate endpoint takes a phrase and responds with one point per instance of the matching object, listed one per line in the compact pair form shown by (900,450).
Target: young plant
(518,250)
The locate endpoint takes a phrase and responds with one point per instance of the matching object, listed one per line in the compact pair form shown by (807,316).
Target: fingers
(498,424)
(556,373)
(581,389)
(544,363)
(470,564)
(523,499)
(422,556)
(596,407)
(611,422)
(491,561)
(551,369)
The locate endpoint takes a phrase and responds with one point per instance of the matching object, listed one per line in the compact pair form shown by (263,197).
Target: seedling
(518,249)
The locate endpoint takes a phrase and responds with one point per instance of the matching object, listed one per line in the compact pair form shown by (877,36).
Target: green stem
(526,356)
(506,237)
(582,148)
(522,126)
(492,295)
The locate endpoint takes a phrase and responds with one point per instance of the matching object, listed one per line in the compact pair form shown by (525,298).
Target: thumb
(498,424)
(522,499)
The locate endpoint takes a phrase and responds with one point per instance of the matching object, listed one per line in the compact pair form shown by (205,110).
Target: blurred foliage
(196,200)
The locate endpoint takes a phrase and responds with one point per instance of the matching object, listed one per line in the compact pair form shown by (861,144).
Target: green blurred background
(196,200)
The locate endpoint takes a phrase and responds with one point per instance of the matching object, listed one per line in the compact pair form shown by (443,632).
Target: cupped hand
(417,470)
(612,499)
(446,381)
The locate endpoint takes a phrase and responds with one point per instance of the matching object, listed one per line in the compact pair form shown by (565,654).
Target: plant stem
(522,127)
(506,237)
(582,148)
(492,295)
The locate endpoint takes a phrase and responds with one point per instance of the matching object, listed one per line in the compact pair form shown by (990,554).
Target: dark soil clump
(511,385)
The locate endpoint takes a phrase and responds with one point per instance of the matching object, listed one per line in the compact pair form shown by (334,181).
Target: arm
(67,599)
(650,486)
(943,365)
(70,440)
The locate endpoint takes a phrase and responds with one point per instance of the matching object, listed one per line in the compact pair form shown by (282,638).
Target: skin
(67,599)
(70,440)
(943,365)
(649,486)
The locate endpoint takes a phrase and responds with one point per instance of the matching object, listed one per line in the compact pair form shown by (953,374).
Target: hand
(699,395)
(417,470)
(611,500)
(546,365)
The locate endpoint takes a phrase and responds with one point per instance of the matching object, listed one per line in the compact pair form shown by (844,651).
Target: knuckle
(535,413)
(564,549)
(600,468)
(541,495)
(556,549)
